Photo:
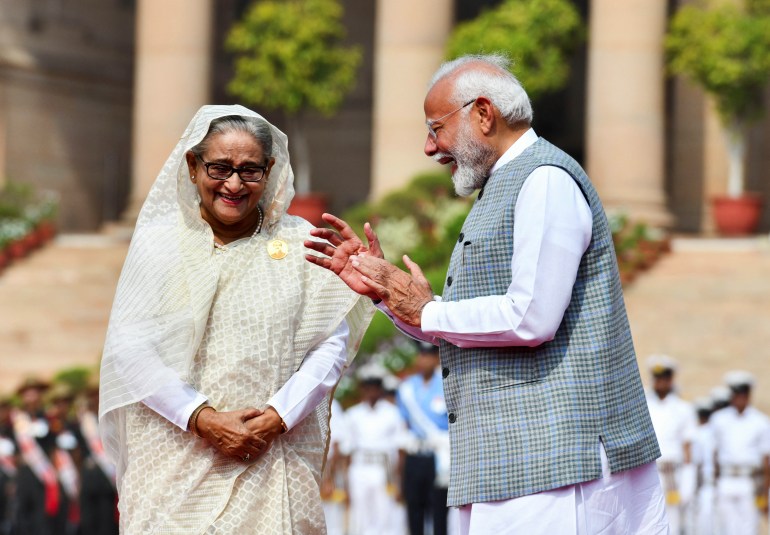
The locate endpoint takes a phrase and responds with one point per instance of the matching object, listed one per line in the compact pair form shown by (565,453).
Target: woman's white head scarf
(167,285)
(173,184)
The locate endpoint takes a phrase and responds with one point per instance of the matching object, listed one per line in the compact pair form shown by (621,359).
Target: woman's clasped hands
(243,434)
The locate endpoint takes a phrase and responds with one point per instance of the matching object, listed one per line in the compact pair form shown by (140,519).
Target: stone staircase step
(707,304)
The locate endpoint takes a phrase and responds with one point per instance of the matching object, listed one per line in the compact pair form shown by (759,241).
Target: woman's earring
(193,178)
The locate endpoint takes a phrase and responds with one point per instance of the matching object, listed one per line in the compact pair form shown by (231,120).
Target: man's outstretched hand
(340,246)
(405,294)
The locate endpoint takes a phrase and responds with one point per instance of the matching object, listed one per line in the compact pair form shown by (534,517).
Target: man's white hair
(497,83)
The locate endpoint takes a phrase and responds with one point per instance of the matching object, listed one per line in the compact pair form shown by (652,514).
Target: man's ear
(486,114)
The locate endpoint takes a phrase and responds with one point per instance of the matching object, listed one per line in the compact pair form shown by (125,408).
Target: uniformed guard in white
(674,422)
(426,461)
(374,429)
(701,511)
(333,491)
(398,519)
(742,441)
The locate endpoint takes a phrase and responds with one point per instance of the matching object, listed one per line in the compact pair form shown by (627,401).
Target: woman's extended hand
(228,432)
(338,249)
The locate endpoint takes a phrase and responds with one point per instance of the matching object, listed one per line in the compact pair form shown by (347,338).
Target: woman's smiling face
(230,202)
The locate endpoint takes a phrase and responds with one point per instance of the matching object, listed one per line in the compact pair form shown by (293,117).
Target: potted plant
(723,46)
(42,214)
(16,231)
(5,257)
(290,56)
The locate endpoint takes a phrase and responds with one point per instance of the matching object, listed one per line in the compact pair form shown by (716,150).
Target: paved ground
(707,303)
(54,306)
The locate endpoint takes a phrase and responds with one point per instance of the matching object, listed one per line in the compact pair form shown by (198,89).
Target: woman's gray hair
(496,83)
(258,129)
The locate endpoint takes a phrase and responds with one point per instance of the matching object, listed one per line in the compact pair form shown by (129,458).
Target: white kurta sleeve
(317,375)
(175,402)
(553,230)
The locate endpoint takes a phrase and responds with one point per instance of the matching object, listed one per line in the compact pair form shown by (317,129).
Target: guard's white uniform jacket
(702,517)
(372,441)
(675,423)
(742,442)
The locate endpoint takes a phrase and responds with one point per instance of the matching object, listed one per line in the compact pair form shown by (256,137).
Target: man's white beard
(473,158)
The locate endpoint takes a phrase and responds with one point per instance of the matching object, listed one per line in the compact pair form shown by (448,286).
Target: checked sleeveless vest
(528,419)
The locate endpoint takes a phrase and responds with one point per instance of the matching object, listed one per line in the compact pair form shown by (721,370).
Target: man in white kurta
(742,442)
(553,230)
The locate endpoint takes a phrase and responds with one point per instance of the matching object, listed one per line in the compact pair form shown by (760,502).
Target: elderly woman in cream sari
(224,344)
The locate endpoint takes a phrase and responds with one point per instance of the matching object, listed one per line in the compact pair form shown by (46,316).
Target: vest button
(449,280)
(452,418)
(460,239)
(445,372)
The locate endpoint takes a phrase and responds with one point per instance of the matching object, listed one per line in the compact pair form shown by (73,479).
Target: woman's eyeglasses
(223,171)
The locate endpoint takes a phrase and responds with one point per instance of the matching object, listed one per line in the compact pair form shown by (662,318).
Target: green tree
(538,35)
(290,56)
(723,46)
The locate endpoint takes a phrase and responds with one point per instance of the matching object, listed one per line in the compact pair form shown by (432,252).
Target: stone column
(625,152)
(172,80)
(409,47)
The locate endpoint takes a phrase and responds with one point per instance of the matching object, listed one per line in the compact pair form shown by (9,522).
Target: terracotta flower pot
(32,240)
(17,249)
(46,230)
(737,216)
(309,206)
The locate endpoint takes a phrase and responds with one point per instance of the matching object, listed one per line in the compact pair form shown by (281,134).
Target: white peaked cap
(659,362)
(737,378)
(720,394)
(703,404)
(390,382)
(372,370)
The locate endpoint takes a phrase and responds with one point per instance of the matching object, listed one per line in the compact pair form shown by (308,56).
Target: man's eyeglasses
(223,171)
(432,132)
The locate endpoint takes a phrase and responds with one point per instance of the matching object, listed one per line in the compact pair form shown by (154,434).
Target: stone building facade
(66,70)
(94,94)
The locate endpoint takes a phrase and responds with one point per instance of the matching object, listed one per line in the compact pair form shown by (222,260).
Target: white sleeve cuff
(417,333)
(318,374)
(176,401)
(429,318)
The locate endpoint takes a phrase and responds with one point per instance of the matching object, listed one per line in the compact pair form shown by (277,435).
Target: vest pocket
(507,371)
